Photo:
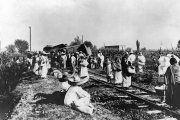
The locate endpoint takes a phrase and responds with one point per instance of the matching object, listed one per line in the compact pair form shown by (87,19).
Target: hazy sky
(111,22)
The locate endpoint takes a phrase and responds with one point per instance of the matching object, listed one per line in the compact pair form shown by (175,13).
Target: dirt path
(48,109)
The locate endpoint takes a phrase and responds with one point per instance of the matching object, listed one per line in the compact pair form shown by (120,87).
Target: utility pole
(30,37)
(82,39)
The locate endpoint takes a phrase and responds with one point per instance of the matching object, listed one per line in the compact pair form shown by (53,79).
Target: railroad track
(137,93)
(143,89)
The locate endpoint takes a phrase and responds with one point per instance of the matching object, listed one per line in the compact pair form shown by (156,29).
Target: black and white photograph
(89,60)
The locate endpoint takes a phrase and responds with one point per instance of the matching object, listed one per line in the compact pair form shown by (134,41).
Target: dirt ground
(49,107)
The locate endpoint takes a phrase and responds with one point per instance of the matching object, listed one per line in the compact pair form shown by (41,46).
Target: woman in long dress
(101,57)
(163,65)
(116,66)
(141,62)
(126,79)
(36,64)
(83,69)
(172,75)
(44,61)
(108,69)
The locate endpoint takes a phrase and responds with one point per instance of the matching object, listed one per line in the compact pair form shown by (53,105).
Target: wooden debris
(130,100)
(168,118)
(157,100)
(144,95)
(125,96)
(143,106)
(131,90)
(154,112)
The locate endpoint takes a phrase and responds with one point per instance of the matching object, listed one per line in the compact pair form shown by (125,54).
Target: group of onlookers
(169,69)
(118,71)
(123,67)
(39,64)
(75,96)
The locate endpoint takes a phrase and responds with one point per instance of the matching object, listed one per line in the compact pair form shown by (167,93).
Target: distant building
(117,47)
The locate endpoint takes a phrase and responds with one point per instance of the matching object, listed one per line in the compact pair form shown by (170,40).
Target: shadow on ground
(55,98)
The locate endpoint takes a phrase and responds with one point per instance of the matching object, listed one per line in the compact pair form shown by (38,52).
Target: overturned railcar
(78,48)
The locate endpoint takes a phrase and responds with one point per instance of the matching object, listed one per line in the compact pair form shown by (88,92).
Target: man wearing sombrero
(78,98)
(63,79)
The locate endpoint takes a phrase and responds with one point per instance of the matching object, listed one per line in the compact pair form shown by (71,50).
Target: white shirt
(164,61)
(131,58)
(101,57)
(141,59)
(84,70)
(64,85)
(73,59)
(75,93)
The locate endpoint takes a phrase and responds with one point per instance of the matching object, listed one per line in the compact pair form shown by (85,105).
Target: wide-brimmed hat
(76,80)
(65,77)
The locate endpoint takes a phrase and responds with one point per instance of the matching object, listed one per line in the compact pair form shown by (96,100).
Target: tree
(21,45)
(94,49)
(88,44)
(11,48)
(143,49)
(138,45)
(76,41)
(128,49)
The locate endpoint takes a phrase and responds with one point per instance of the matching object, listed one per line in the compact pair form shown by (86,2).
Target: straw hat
(76,80)
(64,77)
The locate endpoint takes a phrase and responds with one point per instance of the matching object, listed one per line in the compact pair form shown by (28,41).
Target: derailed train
(70,49)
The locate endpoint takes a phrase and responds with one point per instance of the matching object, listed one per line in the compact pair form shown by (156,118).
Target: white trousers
(83,105)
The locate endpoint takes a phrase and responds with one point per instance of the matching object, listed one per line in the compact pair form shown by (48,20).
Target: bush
(148,76)
(10,73)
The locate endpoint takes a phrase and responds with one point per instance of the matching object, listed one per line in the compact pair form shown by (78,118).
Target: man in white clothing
(78,98)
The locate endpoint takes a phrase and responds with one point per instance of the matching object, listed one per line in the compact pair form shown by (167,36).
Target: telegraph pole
(30,37)
(82,39)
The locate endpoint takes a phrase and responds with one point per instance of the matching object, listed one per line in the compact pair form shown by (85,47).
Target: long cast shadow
(55,98)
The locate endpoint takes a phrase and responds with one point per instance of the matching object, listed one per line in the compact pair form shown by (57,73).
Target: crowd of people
(118,71)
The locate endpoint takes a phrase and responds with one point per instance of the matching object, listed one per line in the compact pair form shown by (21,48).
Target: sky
(109,22)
